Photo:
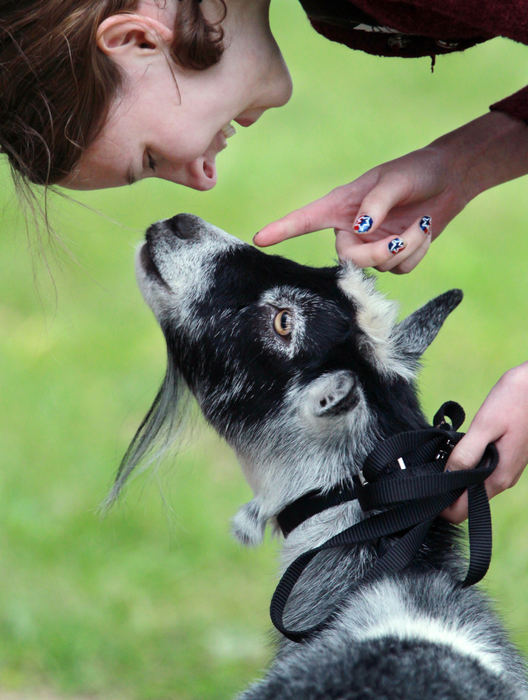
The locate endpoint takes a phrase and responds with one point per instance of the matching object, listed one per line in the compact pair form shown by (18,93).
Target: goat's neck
(332,470)
(323,474)
(333,573)
(278,483)
(279,479)
(319,528)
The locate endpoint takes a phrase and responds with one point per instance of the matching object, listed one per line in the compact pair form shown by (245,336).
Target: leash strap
(403,477)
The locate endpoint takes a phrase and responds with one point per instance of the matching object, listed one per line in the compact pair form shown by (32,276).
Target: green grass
(156,601)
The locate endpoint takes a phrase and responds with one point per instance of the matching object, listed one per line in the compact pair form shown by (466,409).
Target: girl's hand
(502,419)
(390,202)
(387,217)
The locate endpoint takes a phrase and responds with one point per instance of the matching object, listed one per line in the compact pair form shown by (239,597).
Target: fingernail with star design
(396,245)
(363,224)
(425,224)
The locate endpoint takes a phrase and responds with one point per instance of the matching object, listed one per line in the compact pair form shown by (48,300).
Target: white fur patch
(432,630)
(382,611)
(376,316)
(186,266)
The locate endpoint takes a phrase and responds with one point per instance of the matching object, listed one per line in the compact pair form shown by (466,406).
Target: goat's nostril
(184,226)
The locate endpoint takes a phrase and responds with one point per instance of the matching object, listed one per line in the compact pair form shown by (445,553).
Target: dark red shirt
(411,28)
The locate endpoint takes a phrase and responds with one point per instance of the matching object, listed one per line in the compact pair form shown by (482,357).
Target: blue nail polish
(363,223)
(396,245)
(425,224)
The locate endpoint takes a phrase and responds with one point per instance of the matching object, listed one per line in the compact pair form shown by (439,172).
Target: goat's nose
(184,226)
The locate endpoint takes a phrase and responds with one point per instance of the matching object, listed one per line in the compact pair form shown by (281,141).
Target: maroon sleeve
(508,18)
(465,18)
(515,105)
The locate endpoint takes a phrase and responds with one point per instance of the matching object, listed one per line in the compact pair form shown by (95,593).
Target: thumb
(465,455)
(468,452)
(315,216)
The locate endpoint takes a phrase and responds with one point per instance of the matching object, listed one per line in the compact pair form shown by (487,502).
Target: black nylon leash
(403,477)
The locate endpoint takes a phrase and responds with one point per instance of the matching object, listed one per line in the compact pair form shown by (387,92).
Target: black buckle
(444,452)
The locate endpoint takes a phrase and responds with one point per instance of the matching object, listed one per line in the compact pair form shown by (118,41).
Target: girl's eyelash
(151,161)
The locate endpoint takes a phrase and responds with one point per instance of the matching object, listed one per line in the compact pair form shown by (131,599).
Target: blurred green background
(155,600)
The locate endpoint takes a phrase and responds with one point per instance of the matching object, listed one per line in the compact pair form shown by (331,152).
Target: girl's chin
(203,169)
(202,174)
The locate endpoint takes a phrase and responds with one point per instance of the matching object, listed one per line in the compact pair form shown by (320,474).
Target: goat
(303,370)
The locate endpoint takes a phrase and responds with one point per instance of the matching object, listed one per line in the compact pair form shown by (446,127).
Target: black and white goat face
(299,368)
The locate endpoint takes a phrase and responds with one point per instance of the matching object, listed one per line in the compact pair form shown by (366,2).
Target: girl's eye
(150,160)
(282,323)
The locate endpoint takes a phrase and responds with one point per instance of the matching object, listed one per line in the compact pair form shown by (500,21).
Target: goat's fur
(302,412)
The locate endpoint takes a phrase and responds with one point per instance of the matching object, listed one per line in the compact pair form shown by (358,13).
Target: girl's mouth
(228,130)
(220,140)
(206,177)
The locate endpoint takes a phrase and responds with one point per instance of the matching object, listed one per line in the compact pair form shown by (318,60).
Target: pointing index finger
(315,216)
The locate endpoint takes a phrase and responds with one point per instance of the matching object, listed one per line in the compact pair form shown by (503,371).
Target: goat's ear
(330,394)
(413,335)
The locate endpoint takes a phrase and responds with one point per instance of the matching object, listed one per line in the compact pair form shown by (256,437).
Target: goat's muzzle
(185,227)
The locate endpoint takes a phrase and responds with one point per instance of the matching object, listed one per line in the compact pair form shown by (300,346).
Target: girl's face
(171,122)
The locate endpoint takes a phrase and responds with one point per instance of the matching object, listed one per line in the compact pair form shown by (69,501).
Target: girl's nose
(280,89)
(276,90)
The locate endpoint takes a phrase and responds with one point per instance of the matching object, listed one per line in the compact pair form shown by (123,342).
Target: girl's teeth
(228,130)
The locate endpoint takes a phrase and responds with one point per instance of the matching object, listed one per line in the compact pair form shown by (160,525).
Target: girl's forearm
(487,151)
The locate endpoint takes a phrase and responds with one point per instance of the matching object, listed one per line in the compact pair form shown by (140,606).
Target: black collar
(312,503)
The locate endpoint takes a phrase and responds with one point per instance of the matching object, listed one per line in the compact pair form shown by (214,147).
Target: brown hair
(56,86)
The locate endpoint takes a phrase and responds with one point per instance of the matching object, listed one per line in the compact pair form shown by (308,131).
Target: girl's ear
(132,35)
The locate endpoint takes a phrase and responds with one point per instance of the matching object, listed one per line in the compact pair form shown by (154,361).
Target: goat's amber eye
(283,323)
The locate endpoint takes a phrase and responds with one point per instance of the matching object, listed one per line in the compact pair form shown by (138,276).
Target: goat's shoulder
(414,636)
(388,667)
